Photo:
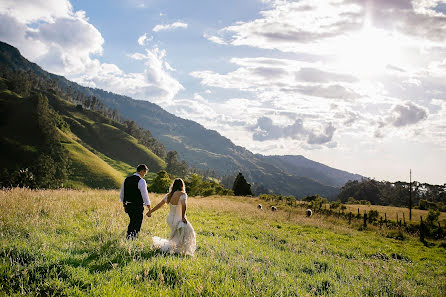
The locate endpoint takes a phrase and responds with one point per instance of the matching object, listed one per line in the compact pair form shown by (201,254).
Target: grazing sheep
(259,206)
(273,208)
(309,212)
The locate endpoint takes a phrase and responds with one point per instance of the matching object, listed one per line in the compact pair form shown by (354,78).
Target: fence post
(350,218)
(440,231)
(365,219)
(380,222)
(421,229)
(404,219)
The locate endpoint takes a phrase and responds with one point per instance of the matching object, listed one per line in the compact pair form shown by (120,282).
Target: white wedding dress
(182,236)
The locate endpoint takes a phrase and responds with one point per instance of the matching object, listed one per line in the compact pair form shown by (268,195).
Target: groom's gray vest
(131,191)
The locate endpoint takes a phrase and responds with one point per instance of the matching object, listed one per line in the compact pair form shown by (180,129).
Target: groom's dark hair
(142,167)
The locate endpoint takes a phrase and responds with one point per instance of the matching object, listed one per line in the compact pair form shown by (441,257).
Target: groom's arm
(142,186)
(121,194)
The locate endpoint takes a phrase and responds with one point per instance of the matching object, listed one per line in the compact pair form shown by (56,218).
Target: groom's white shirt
(142,186)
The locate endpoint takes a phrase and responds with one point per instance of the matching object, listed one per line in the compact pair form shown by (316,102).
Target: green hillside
(87,169)
(100,154)
(72,243)
(105,136)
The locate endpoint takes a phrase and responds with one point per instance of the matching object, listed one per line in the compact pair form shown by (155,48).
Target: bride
(182,234)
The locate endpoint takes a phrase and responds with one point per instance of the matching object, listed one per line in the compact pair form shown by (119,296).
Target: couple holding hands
(134,197)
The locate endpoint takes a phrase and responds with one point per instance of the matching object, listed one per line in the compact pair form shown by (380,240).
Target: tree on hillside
(193,185)
(174,166)
(198,185)
(50,168)
(161,183)
(241,186)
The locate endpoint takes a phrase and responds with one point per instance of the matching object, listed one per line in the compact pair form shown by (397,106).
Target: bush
(208,192)
(309,198)
(425,205)
(195,185)
(160,183)
(317,202)
(432,217)
(352,200)
(335,204)
(373,216)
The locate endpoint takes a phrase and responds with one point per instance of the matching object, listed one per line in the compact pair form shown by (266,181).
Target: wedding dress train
(182,235)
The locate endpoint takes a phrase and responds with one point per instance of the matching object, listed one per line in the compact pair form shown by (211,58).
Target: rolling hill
(100,152)
(200,147)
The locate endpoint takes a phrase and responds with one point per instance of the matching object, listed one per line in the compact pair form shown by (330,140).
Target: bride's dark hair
(177,185)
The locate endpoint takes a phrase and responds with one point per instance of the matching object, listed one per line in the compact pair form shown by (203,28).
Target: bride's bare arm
(158,206)
(183,210)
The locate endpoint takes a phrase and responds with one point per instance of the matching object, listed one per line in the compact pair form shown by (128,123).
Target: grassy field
(71,243)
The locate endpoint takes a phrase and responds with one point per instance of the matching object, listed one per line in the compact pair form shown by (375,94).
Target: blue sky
(357,85)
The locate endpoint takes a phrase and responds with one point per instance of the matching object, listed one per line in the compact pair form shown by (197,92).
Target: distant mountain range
(203,148)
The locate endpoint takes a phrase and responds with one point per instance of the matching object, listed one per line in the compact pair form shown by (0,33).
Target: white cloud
(321,26)
(214,38)
(51,34)
(169,27)
(265,129)
(407,114)
(144,39)
(26,11)
(154,84)
(282,78)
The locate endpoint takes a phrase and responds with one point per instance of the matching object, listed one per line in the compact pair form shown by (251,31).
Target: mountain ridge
(203,148)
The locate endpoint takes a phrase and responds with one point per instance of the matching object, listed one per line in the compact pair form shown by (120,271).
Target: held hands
(149,213)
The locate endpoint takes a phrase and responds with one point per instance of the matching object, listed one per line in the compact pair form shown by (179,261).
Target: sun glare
(368,52)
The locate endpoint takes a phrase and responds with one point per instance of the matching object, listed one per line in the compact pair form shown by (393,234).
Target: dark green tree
(160,183)
(174,166)
(50,168)
(241,186)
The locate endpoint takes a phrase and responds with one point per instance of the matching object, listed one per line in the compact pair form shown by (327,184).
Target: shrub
(160,183)
(309,198)
(373,215)
(425,204)
(335,204)
(208,192)
(432,217)
(352,200)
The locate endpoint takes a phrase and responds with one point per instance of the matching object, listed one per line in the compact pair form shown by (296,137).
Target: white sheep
(309,212)
(273,208)
(259,206)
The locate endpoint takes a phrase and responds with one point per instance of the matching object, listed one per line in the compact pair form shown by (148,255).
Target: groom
(134,197)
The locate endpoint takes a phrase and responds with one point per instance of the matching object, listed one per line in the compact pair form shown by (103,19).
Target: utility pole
(410,195)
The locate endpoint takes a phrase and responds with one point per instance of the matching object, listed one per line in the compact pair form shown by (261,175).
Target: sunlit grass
(66,242)
(87,169)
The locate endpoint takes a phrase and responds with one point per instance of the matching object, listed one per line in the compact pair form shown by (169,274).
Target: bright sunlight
(369,52)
